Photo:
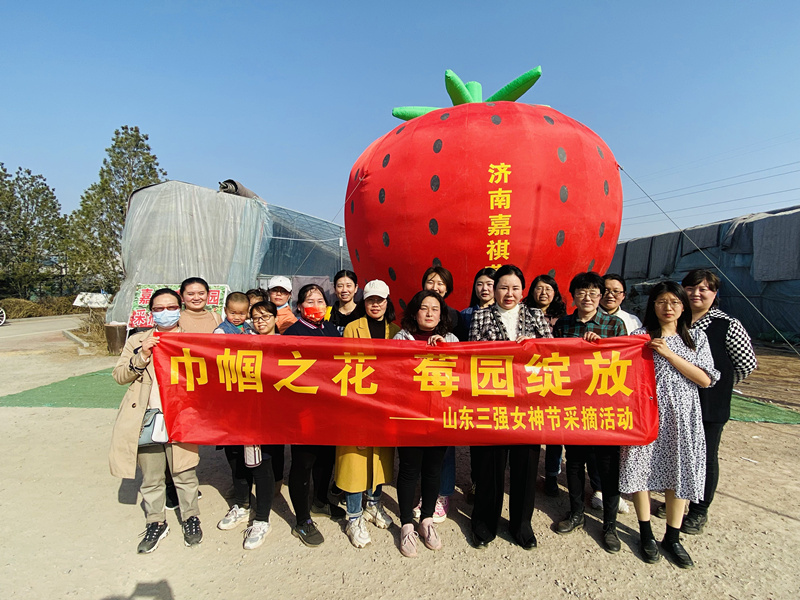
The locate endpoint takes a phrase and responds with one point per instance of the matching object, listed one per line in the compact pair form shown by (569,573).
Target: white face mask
(167,318)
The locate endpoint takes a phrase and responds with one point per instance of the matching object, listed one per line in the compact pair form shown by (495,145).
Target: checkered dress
(737,343)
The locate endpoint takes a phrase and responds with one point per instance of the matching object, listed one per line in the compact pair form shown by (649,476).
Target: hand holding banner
(247,389)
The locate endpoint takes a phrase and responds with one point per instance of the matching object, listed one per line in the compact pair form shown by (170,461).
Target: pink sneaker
(427,532)
(442,506)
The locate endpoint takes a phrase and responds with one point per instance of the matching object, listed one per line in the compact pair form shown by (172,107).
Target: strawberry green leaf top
(464,93)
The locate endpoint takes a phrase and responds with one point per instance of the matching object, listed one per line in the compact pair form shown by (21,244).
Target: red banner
(248,389)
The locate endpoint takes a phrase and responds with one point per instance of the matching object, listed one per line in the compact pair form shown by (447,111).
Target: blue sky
(285,96)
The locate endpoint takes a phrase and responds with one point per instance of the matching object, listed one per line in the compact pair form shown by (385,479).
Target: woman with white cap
(361,469)
(280,292)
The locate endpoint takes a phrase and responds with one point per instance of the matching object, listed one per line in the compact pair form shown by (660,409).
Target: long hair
(651,322)
(488,272)
(557,308)
(409,322)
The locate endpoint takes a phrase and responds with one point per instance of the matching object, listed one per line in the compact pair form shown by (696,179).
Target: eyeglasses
(263,319)
(163,308)
(672,303)
(541,290)
(580,294)
(613,293)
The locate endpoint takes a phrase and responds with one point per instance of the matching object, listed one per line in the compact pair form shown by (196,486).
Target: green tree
(31,233)
(94,259)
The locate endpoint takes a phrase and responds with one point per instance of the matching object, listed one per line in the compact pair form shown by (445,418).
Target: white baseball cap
(376,287)
(279,281)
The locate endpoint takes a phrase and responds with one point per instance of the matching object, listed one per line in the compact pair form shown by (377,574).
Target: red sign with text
(249,389)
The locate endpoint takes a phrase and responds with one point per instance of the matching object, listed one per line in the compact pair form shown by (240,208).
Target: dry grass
(16,308)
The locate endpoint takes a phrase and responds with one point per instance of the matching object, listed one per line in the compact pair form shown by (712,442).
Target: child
(237,309)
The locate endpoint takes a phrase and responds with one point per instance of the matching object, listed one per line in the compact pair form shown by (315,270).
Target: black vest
(716,401)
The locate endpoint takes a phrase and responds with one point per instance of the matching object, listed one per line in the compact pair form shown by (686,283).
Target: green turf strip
(93,390)
(99,390)
(753,411)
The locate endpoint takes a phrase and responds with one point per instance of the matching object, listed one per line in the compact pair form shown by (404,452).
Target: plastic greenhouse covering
(176,230)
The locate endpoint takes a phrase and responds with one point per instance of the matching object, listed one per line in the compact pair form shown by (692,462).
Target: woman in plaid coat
(507,319)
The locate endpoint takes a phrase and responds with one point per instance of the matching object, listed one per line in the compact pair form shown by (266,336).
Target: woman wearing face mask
(363,470)
(312,460)
(506,319)
(425,319)
(195,317)
(135,368)
(345,310)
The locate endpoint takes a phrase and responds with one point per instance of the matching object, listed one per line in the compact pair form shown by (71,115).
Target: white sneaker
(623,507)
(375,514)
(234,517)
(357,532)
(418,509)
(597,500)
(255,534)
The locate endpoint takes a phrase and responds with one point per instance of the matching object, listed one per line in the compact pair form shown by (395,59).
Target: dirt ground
(80,541)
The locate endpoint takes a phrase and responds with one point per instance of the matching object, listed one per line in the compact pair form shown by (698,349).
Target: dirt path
(71,530)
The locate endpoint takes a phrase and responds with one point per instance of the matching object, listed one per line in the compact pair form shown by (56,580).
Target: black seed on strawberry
(386,239)
(562,155)
(602,228)
(399,130)
(433,225)
(552,272)
(437,146)
(385,160)
(496,119)
(358,258)
(591,266)
(549,120)
(382,196)
(605,187)
(355,177)
(435,183)
(490,104)
(436,262)
(600,152)
(352,207)
(392,274)
(402,304)
(559,238)
(564,193)
(445,116)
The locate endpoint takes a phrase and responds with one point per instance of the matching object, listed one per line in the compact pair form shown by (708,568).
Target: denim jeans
(552,459)
(354,508)
(448,485)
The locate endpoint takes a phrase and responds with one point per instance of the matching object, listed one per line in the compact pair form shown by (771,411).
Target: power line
(719,187)
(714,203)
(715,265)
(713,212)
(688,187)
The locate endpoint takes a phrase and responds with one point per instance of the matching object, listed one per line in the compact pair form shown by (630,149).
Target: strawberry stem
(472,91)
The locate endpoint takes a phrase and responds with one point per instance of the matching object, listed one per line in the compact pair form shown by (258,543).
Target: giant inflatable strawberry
(482,183)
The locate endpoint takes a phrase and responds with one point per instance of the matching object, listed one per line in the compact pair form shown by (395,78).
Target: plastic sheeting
(176,230)
(759,253)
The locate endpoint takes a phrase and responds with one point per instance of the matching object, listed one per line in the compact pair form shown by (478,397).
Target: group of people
(699,354)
